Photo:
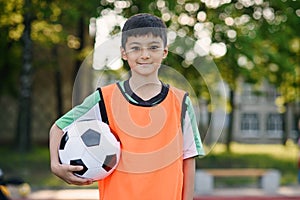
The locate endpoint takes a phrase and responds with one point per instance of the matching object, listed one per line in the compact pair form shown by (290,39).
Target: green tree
(25,25)
(11,31)
(260,37)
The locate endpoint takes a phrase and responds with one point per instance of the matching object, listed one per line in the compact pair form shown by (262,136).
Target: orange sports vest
(151,160)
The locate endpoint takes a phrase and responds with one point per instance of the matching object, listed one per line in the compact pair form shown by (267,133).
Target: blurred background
(254,43)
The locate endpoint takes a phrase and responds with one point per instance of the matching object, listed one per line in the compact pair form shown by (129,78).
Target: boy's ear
(165,53)
(123,53)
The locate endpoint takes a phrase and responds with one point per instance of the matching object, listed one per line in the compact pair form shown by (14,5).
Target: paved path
(69,194)
(284,193)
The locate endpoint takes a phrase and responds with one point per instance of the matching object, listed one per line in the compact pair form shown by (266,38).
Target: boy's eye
(153,48)
(138,49)
(135,49)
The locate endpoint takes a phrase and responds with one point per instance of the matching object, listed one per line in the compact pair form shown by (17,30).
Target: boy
(154,122)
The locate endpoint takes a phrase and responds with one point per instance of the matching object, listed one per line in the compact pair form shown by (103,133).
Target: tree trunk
(287,123)
(231,121)
(80,29)
(81,25)
(58,84)
(24,118)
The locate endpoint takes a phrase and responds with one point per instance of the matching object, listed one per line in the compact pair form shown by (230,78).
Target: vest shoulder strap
(102,107)
(181,96)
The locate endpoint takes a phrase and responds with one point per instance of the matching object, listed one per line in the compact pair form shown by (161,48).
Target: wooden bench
(204,179)
(240,172)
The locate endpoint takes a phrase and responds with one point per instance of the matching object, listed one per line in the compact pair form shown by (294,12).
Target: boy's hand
(66,173)
(63,171)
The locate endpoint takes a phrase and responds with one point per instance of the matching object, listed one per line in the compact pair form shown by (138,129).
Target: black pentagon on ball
(79,162)
(109,162)
(91,138)
(63,141)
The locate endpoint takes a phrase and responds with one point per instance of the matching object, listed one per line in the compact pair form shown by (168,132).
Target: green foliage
(263,34)
(10,51)
(260,37)
(51,22)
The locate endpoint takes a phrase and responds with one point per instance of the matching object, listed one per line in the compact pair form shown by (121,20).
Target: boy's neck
(145,87)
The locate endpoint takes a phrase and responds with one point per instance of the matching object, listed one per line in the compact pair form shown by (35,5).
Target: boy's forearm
(54,141)
(188,178)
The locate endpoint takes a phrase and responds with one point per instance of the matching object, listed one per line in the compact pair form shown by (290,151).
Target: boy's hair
(144,24)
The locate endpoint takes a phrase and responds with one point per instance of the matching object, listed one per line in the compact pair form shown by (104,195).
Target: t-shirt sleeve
(192,144)
(87,110)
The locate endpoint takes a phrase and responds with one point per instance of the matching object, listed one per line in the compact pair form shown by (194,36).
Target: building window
(250,124)
(248,94)
(274,125)
(271,94)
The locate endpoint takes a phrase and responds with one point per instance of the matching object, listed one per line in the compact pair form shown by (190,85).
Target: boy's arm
(86,110)
(192,147)
(63,171)
(188,178)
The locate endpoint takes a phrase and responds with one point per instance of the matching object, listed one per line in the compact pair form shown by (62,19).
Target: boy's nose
(145,53)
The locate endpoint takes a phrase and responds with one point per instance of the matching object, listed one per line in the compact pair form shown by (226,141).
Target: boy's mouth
(144,64)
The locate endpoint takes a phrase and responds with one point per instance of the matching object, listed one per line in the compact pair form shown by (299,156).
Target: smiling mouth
(144,64)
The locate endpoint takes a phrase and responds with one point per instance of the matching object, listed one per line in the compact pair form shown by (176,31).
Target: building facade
(259,117)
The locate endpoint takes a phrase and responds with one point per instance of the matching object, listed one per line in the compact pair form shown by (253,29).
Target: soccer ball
(91,145)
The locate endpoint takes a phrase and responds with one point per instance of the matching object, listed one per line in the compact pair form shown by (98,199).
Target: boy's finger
(75,168)
(78,180)
(81,181)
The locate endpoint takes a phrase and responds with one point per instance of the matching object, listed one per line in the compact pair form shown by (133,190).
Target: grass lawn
(282,158)
(34,166)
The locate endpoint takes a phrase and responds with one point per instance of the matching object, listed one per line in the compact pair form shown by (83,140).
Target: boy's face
(144,54)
